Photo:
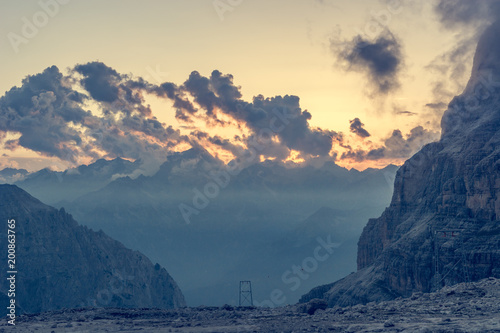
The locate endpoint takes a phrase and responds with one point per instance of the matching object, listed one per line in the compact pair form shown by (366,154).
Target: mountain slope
(442,226)
(63,265)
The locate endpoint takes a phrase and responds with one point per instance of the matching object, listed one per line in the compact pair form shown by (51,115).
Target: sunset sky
(362,69)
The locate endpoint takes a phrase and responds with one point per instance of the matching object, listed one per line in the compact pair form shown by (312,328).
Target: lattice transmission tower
(246,298)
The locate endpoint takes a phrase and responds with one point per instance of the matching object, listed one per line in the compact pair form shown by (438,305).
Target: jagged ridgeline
(443,224)
(63,265)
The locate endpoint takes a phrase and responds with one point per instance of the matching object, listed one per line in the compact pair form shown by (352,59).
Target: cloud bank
(94,112)
(50,116)
(396,146)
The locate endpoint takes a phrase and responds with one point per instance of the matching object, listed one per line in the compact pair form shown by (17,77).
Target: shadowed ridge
(64,265)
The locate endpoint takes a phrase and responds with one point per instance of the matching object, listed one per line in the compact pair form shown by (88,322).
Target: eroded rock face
(63,265)
(450,184)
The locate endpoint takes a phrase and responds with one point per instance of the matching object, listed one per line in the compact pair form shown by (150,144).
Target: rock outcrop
(63,265)
(443,224)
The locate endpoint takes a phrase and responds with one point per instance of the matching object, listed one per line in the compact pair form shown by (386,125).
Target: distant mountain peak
(196,152)
(56,186)
(11,175)
(13,170)
(196,158)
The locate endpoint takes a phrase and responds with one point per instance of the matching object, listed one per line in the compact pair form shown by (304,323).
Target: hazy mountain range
(254,225)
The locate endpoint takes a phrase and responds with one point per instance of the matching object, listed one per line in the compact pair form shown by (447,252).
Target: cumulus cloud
(41,111)
(100,81)
(381,60)
(49,116)
(275,121)
(357,128)
(49,112)
(396,146)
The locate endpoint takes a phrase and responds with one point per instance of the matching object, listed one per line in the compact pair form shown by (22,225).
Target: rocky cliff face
(63,265)
(443,224)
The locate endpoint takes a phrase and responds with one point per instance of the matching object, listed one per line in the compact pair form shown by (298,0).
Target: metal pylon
(246,298)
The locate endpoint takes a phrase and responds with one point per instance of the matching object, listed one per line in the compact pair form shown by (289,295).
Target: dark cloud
(456,13)
(121,94)
(100,81)
(357,128)
(436,106)
(278,117)
(200,87)
(407,113)
(395,146)
(354,155)
(296,132)
(381,60)
(11,144)
(41,111)
(49,116)
(183,107)
(228,145)
(276,124)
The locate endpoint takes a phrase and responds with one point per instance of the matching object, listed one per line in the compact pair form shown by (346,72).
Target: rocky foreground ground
(471,307)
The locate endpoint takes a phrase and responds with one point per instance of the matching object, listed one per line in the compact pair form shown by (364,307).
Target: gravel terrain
(461,308)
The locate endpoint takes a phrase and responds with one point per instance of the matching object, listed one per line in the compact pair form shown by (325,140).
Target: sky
(362,83)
